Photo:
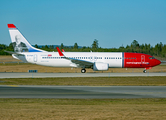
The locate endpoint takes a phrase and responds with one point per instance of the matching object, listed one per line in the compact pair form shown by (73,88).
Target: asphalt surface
(82,92)
(45,75)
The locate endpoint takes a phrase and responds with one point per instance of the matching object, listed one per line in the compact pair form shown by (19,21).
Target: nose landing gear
(144,71)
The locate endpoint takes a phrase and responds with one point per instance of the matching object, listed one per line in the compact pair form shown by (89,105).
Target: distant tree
(46,47)
(51,47)
(127,46)
(10,46)
(135,44)
(36,46)
(75,46)
(164,51)
(142,46)
(2,46)
(146,46)
(95,44)
(121,47)
(158,49)
(62,46)
(149,46)
(160,46)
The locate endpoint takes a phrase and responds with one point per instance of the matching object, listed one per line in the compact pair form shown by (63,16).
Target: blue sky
(111,22)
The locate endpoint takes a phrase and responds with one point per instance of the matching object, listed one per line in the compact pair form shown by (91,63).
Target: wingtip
(11,26)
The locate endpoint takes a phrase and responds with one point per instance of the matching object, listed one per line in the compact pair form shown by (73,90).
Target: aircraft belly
(117,62)
(56,63)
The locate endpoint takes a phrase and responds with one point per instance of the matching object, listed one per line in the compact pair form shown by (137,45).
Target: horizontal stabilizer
(11,52)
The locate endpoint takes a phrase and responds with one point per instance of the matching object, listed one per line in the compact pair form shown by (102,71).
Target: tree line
(158,50)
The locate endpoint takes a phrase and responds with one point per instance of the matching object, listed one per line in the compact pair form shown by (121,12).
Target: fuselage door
(35,58)
(142,58)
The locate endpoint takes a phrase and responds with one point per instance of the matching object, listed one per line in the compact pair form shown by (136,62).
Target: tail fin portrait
(20,44)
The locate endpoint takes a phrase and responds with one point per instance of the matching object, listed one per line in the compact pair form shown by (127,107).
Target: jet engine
(100,66)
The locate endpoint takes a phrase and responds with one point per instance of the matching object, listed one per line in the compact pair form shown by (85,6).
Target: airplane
(98,61)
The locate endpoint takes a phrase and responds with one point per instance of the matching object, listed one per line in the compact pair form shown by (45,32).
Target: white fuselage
(114,59)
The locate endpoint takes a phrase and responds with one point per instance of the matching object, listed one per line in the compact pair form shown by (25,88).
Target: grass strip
(88,81)
(89,109)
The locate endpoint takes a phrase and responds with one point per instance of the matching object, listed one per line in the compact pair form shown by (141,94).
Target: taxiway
(46,75)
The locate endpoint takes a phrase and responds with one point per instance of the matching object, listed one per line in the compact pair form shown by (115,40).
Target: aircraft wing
(81,63)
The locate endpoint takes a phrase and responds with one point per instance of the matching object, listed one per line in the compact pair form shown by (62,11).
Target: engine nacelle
(100,66)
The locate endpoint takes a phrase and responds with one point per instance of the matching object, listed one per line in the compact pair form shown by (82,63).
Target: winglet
(59,51)
(11,26)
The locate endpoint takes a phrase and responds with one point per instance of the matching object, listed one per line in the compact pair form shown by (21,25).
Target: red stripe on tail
(11,26)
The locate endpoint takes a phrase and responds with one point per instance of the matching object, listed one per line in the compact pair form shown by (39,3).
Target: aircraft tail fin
(20,44)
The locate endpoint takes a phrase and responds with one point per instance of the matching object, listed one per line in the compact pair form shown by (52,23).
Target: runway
(82,92)
(46,75)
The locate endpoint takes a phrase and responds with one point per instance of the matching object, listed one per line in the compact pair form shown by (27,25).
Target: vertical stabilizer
(19,42)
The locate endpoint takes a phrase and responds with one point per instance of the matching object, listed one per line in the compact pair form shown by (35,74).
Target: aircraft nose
(158,62)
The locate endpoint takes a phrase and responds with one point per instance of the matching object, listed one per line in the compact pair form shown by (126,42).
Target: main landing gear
(83,71)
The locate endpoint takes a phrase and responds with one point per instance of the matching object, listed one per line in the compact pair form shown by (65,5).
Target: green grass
(99,81)
(86,109)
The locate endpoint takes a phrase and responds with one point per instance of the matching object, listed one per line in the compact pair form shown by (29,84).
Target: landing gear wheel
(144,71)
(83,71)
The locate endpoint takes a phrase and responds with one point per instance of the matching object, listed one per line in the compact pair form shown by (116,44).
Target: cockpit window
(151,58)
